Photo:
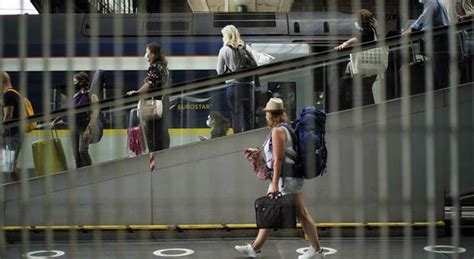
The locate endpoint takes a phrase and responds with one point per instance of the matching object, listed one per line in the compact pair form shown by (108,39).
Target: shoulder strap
(13,90)
(294,140)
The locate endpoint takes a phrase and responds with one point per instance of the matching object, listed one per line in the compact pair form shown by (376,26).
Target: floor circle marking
(442,249)
(31,255)
(326,250)
(163,252)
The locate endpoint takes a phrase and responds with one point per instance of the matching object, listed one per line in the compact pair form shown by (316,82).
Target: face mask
(421,1)
(357,26)
(146,56)
(77,86)
(209,123)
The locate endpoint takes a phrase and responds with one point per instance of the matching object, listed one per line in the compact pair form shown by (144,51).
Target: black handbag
(279,212)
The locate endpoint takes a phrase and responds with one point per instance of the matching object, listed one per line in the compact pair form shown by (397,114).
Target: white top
(289,149)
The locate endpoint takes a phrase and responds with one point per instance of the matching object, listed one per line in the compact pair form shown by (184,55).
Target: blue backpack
(307,134)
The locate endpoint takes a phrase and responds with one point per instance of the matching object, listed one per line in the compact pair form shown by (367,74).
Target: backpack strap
(294,140)
(13,90)
(292,170)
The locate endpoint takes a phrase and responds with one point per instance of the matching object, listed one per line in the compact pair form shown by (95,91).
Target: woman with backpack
(81,134)
(234,56)
(275,147)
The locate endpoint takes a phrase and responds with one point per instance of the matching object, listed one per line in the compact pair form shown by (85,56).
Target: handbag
(369,62)
(150,109)
(97,130)
(278,212)
(257,162)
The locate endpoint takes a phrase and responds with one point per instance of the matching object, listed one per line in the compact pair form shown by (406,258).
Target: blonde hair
(232,36)
(276,117)
(6,80)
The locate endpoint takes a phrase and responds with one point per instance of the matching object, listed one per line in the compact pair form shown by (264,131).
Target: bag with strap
(28,110)
(308,135)
(244,60)
(260,57)
(97,129)
(279,212)
(369,62)
(258,164)
(150,109)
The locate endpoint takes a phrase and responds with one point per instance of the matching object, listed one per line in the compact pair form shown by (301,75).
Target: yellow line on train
(123,132)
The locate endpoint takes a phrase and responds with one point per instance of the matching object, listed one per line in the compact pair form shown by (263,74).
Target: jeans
(80,148)
(239,98)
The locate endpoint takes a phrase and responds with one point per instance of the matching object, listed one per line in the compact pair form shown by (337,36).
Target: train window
(326,27)
(296,27)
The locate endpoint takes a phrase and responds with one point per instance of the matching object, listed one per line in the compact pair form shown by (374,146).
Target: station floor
(224,248)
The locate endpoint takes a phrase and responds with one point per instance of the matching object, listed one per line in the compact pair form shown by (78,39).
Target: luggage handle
(278,195)
(413,52)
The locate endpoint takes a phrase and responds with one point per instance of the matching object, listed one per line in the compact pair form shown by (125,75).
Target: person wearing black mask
(81,134)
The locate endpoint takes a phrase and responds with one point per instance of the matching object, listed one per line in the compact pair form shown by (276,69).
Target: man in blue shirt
(435,15)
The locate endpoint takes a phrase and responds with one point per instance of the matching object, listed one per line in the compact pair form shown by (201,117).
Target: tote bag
(150,109)
(369,62)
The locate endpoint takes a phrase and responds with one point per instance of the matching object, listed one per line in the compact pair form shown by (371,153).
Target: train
(116,43)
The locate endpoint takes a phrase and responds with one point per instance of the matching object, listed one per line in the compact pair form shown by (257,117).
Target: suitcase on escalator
(136,140)
(48,155)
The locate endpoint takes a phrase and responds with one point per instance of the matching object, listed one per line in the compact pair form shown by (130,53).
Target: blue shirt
(438,13)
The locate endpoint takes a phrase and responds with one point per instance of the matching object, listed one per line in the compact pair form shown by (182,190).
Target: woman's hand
(55,122)
(272,190)
(407,32)
(132,92)
(87,133)
(340,47)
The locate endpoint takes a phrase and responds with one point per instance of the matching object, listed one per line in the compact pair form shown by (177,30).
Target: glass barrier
(398,130)
(236,106)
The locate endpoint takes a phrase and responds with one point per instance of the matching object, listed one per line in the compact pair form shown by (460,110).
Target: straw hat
(274,104)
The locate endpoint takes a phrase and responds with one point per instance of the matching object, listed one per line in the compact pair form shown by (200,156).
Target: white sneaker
(248,251)
(311,253)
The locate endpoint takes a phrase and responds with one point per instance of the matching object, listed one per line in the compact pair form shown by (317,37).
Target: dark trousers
(239,98)
(157,135)
(346,94)
(440,60)
(80,149)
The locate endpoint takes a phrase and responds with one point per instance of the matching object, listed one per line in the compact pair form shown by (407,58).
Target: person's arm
(278,151)
(95,111)
(8,113)
(465,17)
(143,89)
(221,62)
(428,9)
(347,43)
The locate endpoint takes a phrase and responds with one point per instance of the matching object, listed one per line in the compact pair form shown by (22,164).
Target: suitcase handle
(54,133)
